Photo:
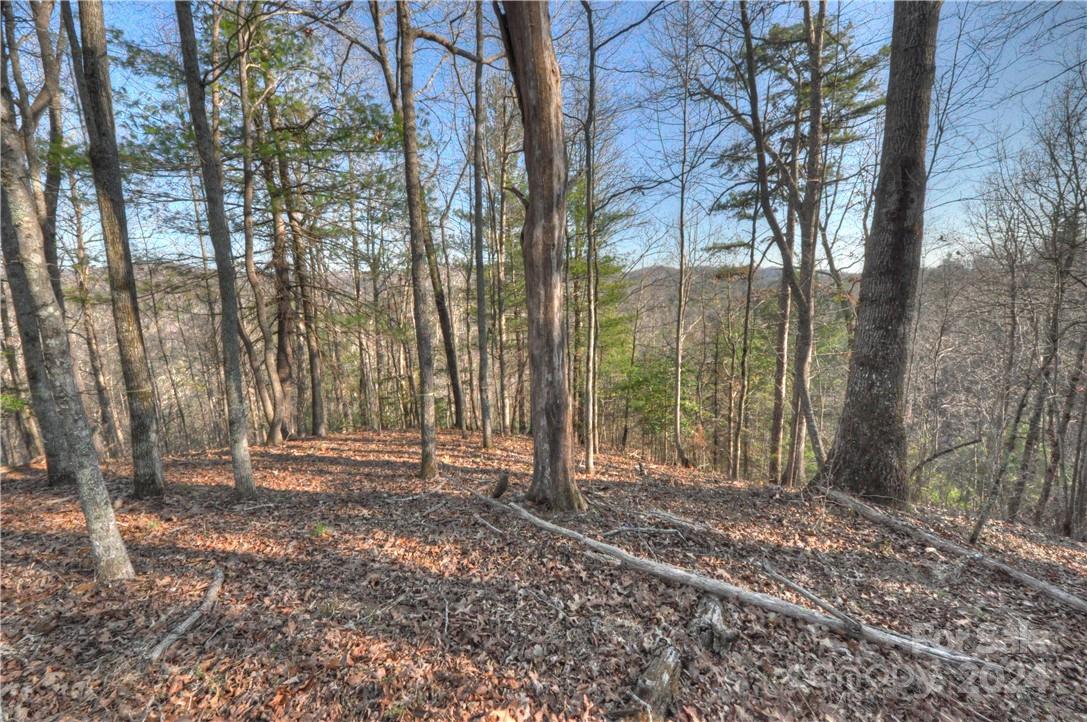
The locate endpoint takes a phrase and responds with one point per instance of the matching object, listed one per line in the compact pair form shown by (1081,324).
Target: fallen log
(678,575)
(656,687)
(708,626)
(210,596)
(946,545)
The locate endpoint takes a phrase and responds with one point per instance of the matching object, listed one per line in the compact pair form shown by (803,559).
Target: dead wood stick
(209,599)
(678,575)
(639,530)
(487,524)
(853,624)
(656,686)
(946,545)
(708,625)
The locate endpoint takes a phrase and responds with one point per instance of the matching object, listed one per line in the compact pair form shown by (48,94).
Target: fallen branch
(656,687)
(678,575)
(639,530)
(209,600)
(946,545)
(852,624)
(487,524)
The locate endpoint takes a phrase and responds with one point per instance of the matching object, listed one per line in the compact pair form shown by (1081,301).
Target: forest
(533,360)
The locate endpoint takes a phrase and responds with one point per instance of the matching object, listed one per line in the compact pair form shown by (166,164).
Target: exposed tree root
(678,575)
(946,545)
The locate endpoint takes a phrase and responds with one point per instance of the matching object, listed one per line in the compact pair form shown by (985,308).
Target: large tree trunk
(237,423)
(869,453)
(526,31)
(477,239)
(96,96)
(32,291)
(424,333)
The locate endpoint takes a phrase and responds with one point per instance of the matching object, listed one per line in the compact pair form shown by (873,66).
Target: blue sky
(995,88)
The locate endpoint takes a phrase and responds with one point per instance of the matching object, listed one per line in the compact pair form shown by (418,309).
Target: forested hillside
(528,360)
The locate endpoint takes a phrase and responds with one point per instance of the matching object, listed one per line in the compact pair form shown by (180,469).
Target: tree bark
(237,422)
(591,281)
(275,424)
(32,290)
(107,417)
(285,321)
(428,466)
(526,32)
(682,282)
(96,95)
(869,453)
(477,239)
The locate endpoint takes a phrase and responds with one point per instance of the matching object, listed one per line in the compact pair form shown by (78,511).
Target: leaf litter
(354,591)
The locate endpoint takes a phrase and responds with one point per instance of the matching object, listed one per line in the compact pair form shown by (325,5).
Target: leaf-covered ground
(355,591)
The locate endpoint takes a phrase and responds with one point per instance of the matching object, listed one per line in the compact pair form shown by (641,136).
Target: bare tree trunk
(591,281)
(526,32)
(477,239)
(682,282)
(29,433)
(745,347)
(1058,431)
(92,72)
(285,321)
(275,424)
(32,292)
(445,325)
(869,453)
(1063,261)
(781,355)
(237,423)
(428,466)
(108,419)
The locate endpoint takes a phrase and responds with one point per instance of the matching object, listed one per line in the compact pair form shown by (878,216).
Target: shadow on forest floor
(354,590)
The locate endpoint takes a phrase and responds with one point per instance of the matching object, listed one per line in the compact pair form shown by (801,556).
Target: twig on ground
(487,524)
(210,596)
(851,623)
(639,530)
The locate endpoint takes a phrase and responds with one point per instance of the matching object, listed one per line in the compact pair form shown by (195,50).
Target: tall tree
(477,237)
(237,423)
(428,466)
(57,458)
(278,397)
(32,290)
(869,452)
(526,32)
(682,280)
(91,68)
